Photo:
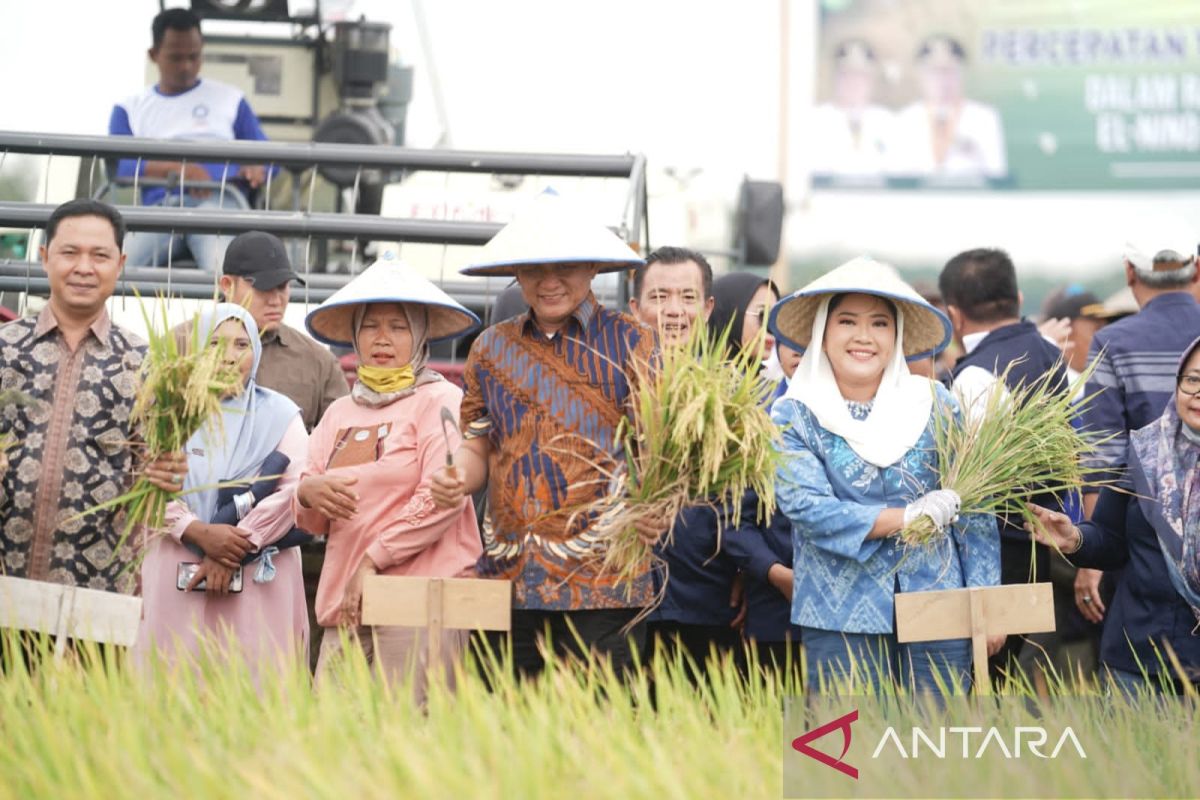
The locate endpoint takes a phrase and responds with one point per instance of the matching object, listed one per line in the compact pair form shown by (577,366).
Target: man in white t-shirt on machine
(182,106)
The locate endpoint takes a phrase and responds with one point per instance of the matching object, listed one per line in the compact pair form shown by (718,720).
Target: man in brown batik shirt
(70,447)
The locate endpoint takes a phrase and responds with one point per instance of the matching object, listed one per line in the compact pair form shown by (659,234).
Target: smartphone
(187,569)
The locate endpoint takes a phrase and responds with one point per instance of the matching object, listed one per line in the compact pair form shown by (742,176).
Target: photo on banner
(1052,95)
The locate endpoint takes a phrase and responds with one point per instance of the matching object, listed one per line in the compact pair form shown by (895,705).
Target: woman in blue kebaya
(859,464)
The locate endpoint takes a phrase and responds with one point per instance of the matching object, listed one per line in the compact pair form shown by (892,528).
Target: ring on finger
(1087,599)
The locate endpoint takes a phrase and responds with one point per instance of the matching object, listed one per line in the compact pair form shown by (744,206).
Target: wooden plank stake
(437,604)
(62,628)
(975,613)
(68,612)
(434,628)
(979,641)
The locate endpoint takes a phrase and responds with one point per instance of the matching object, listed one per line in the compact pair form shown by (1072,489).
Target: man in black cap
(1082,311)
(257,275)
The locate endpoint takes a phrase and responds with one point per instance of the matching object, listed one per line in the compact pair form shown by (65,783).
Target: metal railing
(191,284)
(301,223)
(306,154)
(170,219)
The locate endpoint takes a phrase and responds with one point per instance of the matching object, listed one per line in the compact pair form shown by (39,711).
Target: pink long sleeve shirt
(269,620)
(393,451)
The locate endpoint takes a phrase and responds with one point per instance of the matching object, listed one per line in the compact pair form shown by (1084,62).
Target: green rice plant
(180,387)
(11,398)
(1017,445)
(698,434)
(95,726)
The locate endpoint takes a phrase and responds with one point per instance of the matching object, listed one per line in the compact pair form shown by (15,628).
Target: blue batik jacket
(843,582)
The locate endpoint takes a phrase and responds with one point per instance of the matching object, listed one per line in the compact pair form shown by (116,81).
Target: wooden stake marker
(975,613)
(437,604)
(69,612)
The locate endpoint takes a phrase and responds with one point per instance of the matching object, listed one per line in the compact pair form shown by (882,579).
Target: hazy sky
(690,84)
(693,85)
(685,82)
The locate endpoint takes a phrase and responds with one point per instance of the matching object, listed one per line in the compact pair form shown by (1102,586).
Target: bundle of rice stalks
(182,381)
(1012,447)
(698,434)
(11,397)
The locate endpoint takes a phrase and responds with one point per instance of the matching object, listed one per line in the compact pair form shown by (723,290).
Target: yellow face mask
(386,380)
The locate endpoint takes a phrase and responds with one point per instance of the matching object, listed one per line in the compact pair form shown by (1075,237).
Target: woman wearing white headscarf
(859,464)
(371,458)
(261,435)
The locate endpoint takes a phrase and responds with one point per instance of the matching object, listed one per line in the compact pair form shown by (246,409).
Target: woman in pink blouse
(366,484)
(261,436)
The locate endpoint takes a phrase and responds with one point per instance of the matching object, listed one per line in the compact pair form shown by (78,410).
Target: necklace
(860,411)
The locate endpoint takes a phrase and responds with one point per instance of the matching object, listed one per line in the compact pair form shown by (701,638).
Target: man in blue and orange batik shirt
(545,394)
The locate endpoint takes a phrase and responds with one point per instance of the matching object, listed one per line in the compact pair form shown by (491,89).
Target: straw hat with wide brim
(548,231)
(927,331)
(388,280)
(1117,305)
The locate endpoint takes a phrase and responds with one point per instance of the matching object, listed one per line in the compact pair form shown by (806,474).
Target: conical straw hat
(927,331)
(388,280)
(548,231)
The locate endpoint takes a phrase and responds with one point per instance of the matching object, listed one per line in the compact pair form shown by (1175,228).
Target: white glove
(940,505)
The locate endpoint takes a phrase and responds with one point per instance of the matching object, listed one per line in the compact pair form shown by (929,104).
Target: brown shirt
(303,370)
(70,452)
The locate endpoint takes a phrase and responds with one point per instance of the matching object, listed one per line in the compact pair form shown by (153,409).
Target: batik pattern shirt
(842,580)
(71,451)
(551,407)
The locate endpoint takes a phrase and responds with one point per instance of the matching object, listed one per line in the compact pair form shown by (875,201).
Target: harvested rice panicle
(11,398)
(698,434)
(181,383)
(1018,444)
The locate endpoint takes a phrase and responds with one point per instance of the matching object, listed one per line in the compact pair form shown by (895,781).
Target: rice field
(92,726)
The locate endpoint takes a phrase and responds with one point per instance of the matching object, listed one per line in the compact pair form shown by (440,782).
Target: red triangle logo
(801,744)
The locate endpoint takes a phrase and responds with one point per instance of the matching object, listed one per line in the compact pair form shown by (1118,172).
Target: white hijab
(902,404)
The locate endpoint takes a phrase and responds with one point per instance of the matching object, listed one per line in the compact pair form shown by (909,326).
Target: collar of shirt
(1170,299)
(191,88)
(582,315)
(972,340)
(276,335)
(46,322)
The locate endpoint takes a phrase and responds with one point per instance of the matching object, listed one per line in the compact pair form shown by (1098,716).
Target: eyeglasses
(1189,384)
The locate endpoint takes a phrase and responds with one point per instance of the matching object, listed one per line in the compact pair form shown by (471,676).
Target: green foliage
(1014,446)
(95,727)
(11,397)
(698,434)
(181,384)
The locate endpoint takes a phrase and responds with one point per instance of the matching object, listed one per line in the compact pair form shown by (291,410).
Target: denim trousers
(870,660)
(149,249)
